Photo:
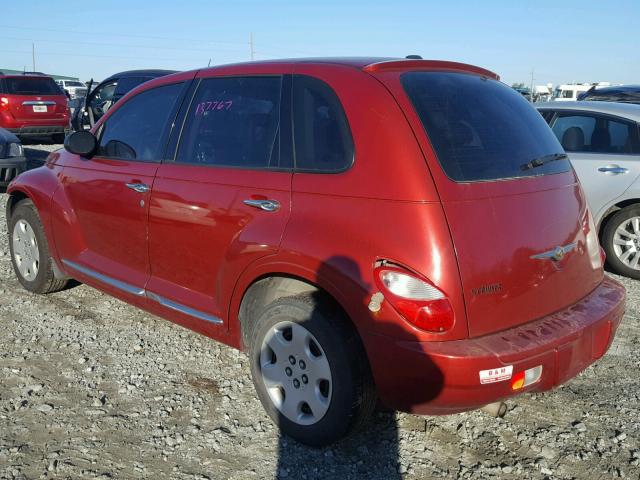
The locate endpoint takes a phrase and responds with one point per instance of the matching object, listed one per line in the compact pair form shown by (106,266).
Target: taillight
(420,302)
(526,378)
(4,103)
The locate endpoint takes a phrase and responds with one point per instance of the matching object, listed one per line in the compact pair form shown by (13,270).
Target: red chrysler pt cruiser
(394,229)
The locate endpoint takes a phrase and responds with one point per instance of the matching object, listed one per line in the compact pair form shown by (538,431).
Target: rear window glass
(480,128)
(32,86)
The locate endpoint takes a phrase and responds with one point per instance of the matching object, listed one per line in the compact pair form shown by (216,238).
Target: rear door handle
(138,187)
(614,169)
(266,205)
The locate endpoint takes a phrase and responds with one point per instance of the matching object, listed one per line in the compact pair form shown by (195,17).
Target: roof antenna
(413,57)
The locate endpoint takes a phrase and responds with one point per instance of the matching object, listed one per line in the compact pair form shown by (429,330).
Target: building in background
(9,71)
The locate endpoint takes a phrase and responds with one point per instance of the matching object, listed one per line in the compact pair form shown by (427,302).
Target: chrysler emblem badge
(555,254)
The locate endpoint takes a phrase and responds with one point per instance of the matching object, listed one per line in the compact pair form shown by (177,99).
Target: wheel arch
(609,212)
(272,286)
(278,276)
(15,196)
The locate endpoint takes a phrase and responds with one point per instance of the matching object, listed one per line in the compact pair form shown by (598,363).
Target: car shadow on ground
(375,447)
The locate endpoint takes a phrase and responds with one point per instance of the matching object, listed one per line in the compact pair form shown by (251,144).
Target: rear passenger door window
(587,133)
(138,129)
(322,137)
(233,122)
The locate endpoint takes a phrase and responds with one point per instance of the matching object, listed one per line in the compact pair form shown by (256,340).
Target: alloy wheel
(626,242)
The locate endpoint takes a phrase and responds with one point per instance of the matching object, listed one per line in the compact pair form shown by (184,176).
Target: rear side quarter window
(322,138)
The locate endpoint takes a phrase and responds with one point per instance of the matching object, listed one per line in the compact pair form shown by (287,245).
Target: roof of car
(376,64)
(626,110)
(615,89)
(25,75)
(142,73)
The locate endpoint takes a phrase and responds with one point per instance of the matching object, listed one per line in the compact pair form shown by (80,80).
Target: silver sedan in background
(602,140)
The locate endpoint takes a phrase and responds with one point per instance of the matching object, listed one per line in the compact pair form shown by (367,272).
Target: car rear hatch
(525,242)
(35,99)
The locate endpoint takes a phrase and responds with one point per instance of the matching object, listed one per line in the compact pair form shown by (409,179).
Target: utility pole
(251,45)
(531,98)
(33,55)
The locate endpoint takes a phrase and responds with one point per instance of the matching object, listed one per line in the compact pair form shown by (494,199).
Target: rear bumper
(11,168)
(39,130)
(443,377)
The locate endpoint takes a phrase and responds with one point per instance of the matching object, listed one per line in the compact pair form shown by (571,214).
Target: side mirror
(82,142)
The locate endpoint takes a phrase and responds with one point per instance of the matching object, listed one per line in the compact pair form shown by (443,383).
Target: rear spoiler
(410,64)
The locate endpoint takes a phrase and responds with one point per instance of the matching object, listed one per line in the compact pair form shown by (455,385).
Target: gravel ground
(93,388)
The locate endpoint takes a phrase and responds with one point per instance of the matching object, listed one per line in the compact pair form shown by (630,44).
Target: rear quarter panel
(384,207)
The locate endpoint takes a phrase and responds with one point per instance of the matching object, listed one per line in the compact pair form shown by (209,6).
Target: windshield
(74,84)
(481,129)
(32,86)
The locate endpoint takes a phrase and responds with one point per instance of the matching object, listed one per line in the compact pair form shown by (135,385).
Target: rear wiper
(538,162)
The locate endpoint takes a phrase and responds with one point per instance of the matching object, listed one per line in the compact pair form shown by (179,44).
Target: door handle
(266,205)
(614,169)
(138,187)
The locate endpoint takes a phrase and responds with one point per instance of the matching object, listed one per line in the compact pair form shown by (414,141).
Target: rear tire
(310,370)
(621,242)
(29,251)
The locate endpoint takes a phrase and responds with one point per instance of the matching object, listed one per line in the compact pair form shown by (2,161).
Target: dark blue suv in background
(109,91)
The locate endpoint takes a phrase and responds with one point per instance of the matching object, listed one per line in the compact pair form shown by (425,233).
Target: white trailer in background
(568,92)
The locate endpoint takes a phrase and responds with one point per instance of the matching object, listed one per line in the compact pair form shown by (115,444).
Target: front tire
(621,242)
(310,370)
(29,251)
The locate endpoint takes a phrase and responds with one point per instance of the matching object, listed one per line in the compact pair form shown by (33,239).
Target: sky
(560,41)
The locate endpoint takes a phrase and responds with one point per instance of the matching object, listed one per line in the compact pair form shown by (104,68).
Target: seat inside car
(600,140)
(573,139)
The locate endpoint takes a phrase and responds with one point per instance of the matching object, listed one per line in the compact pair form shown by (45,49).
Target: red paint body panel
(107,216)
(443,377)
(224,235)
(196,243)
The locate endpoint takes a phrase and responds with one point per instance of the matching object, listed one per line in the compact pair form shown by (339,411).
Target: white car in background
(602,140)
(74,88)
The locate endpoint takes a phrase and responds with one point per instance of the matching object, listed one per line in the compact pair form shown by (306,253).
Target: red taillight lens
(417,300)
(526,378)
(4,103)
